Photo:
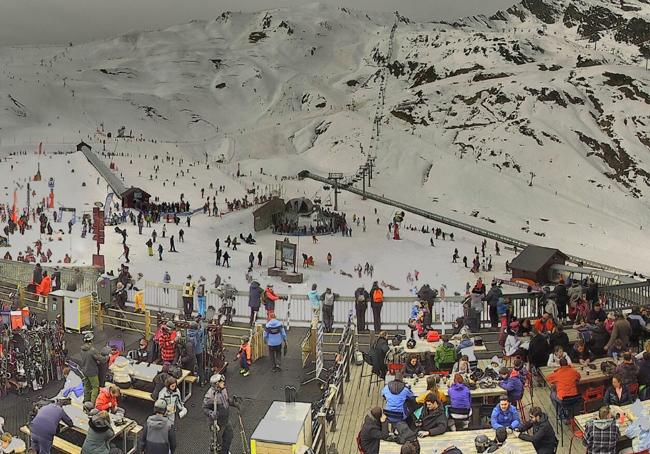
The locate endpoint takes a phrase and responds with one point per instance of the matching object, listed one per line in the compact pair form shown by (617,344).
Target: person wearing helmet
(244,356)
(216,406)
(159,435)
(196,335)
(90,359)
(166,342)
(274,337)
(482,443)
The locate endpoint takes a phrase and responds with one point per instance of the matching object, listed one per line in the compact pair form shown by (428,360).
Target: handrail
(454,223)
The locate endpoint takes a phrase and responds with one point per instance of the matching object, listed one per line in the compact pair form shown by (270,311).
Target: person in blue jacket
(314,299)
(512,385)
(196,335)
(505,415)
(396,394)
(274,337)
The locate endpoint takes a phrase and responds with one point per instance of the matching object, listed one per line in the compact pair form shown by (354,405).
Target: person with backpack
(90,360)
(196,335)
(361,298)
(172,398)
(269,297)
(275,336)
(376,302)
(328,299)
(99,434)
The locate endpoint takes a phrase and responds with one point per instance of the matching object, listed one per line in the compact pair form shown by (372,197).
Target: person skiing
(181,235)
(226,259)
(218,257)
(125,252)
(172,247)
(329,259)
(149,245)
(259,258)
(160,252)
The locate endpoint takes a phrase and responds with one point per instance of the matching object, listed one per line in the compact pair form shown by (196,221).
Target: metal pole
(336,195)
(364,183)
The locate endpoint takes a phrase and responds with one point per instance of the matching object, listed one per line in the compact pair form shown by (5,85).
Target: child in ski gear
(244,356)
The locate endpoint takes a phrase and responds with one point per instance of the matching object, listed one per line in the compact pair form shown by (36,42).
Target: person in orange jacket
(107,399)
(270,297)
(244,356)
(45,287)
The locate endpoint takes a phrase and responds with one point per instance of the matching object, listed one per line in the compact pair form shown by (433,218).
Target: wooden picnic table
(419,385)
(422,346)
(463,440)
(147,372)
(582,420)
(587,375)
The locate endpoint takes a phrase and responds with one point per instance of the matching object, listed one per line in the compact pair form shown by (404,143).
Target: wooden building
(534,263)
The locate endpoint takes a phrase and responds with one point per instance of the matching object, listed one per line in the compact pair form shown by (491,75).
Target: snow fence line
(454,223)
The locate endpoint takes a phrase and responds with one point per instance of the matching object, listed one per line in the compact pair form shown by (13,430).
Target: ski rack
(32,356)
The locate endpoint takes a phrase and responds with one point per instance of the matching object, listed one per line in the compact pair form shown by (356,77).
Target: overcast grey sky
(61,21)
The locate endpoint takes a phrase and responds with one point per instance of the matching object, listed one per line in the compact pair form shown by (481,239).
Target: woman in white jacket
(555,357)
(172,397)
(512,344)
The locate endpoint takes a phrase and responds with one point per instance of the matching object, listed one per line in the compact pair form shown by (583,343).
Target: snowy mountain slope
(474,110)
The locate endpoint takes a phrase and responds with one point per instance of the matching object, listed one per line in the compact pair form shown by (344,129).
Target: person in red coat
(107,399)
(45,287)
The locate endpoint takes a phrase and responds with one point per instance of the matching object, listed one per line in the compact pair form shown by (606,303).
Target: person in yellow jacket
(188,297)
(139,302)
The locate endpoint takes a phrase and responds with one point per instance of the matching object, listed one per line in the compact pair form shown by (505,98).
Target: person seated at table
(617,393)
(565,380)
(512,385)
(519,370)
(616,349)
(462,366)
(10,444)
(543,437)
(373,430)
(465,342)
(460,400)
(505,415)
(609,322)
(644,376)
(433,420)
(581,354)
(601,435)
(141,355)
(559,337)
(628,370)
(596,313)
(432,389)
(646,348)
(396,394)
(99,434)
(512,346)
(445,355)
(538,350)
(545,324)
(107,398)
(525,328)
(555,357)
(413,367)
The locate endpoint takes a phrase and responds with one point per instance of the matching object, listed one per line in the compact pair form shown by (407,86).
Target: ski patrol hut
(533,264)
(264,216)
(135,198)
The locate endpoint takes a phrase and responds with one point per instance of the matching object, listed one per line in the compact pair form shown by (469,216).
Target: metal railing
(454,223)
(325,421)
(21,273)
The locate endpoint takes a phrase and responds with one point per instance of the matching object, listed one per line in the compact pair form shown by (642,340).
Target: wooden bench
(133,392)
(191,379)
(59,443)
